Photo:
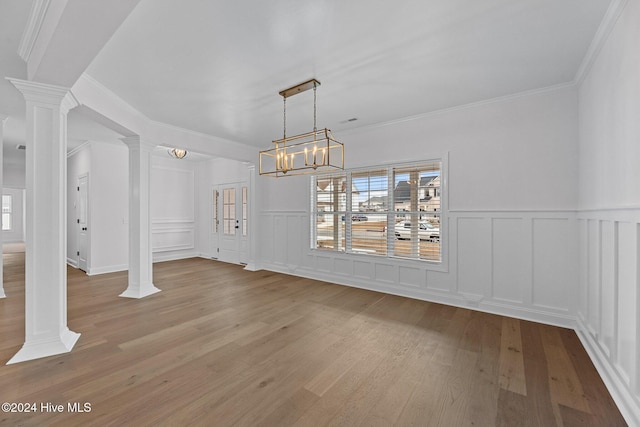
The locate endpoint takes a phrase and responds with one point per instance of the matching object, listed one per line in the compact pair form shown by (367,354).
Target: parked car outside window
(357,217)
(426,231)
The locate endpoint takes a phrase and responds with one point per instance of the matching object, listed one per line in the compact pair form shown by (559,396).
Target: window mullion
(391,237)
(347,214)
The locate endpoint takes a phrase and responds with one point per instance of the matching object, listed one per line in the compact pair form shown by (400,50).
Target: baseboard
(628,404)
(162,257)
(72,262)
(561,319)
(107,269)
(124,267)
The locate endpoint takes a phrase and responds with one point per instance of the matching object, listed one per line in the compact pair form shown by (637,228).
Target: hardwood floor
(221,346)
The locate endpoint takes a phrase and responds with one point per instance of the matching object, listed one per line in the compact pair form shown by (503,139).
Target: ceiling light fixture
(307,153)
(178,153)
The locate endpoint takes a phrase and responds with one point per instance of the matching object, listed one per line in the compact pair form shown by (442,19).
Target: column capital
(42,93)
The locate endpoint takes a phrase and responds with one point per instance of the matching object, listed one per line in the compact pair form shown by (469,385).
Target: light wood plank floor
(221,346)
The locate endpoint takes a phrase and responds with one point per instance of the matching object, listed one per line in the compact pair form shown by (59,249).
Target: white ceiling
(216,67)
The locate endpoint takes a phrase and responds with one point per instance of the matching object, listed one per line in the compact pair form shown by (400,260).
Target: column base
(46,347)
(140,291)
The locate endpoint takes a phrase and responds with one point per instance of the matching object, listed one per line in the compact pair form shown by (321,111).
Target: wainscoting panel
(412,276)
(627,300)
(172,239)
(474,256)
(594,278)
(551,263)
(279,239)
(293,239)
(496,262)
(609,319)
(509,248)
(324,263)
(343,267)
(385,272)
(608,287)
(362,270)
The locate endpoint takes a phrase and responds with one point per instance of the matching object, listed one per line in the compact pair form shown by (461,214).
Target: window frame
(8,213)
(346,250)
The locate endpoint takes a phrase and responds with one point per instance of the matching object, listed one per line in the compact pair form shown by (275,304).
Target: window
(229,211)
(215,211)
(7,207)
(245,212)
(331,205)
(389,211)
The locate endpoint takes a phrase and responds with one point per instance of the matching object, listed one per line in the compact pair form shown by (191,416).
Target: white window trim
(442,265)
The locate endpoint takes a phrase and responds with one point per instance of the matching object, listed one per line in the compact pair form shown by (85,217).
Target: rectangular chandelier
(307,153)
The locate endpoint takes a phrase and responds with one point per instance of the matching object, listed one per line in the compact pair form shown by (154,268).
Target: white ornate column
(46,331)
(140,251)
(2,120)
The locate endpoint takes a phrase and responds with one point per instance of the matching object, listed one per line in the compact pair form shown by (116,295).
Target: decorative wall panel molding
(489,251)
(164,240)
(609,310)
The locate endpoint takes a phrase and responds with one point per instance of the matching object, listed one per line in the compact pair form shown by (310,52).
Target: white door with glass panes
(232,222)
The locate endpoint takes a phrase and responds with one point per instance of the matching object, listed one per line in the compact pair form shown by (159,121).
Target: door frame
(214,216)
(242,243)
(78,225)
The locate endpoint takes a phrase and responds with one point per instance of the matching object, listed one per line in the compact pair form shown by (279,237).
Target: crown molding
(78,148)
(602,34)
(32,29)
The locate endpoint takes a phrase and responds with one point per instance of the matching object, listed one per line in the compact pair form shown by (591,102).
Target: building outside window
(391,211)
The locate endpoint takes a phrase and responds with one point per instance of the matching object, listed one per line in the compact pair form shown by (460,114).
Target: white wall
(105,165)
(512,187)
(16,234)
(609,216)
(109,208)
(173,207)
(13,175)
